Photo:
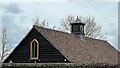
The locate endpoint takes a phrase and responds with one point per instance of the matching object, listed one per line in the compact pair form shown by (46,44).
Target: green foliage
(56,65)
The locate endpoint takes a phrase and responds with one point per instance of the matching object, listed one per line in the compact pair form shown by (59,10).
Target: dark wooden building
(43,45)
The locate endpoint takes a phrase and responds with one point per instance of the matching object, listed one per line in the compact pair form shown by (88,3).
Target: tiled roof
(77,50)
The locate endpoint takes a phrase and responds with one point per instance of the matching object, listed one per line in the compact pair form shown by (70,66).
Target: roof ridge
(97,39)
(34,26)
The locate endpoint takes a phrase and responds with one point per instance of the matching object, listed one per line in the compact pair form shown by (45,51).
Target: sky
(18,16)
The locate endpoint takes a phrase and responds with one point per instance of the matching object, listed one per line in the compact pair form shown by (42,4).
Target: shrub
(56,65)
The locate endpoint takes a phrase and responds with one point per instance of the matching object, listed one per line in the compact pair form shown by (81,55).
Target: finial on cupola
(77,27)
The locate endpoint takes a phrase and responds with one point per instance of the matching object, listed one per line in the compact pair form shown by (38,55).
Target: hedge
(56,65)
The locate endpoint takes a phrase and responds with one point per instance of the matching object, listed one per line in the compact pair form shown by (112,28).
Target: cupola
(77,27)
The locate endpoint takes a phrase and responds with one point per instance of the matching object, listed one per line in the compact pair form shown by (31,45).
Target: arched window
(34,49)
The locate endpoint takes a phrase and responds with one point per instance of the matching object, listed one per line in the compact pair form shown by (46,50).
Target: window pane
(35,49)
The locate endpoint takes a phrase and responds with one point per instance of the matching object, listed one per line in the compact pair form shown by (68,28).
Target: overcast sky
(18,17)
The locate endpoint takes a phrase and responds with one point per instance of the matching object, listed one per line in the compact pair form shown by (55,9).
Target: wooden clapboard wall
(47,52)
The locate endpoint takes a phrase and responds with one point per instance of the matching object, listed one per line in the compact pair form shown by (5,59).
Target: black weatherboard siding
(47,52)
